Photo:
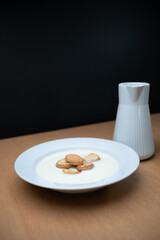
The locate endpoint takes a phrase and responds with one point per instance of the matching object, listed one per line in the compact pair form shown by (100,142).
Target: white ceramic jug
(133,123)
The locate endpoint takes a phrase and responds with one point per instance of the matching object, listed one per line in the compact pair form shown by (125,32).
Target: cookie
(85,166)
(62,163)
(74,159)
(92,157)
(69,171)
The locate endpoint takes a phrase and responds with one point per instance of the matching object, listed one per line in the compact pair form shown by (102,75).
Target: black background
(60,64)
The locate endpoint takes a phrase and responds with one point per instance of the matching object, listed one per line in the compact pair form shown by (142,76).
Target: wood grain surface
(128,210)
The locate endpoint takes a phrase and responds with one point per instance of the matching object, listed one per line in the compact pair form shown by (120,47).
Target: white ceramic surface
(126,159)
(133,123)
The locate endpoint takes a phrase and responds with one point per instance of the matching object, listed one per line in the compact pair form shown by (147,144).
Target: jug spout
(133,93)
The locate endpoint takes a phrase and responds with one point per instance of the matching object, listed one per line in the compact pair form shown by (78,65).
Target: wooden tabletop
(128,210)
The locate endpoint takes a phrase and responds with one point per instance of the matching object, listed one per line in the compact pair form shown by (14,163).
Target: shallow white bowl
(126,158)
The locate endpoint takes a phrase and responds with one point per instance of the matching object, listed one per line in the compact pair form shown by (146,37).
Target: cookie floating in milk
(77,163)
